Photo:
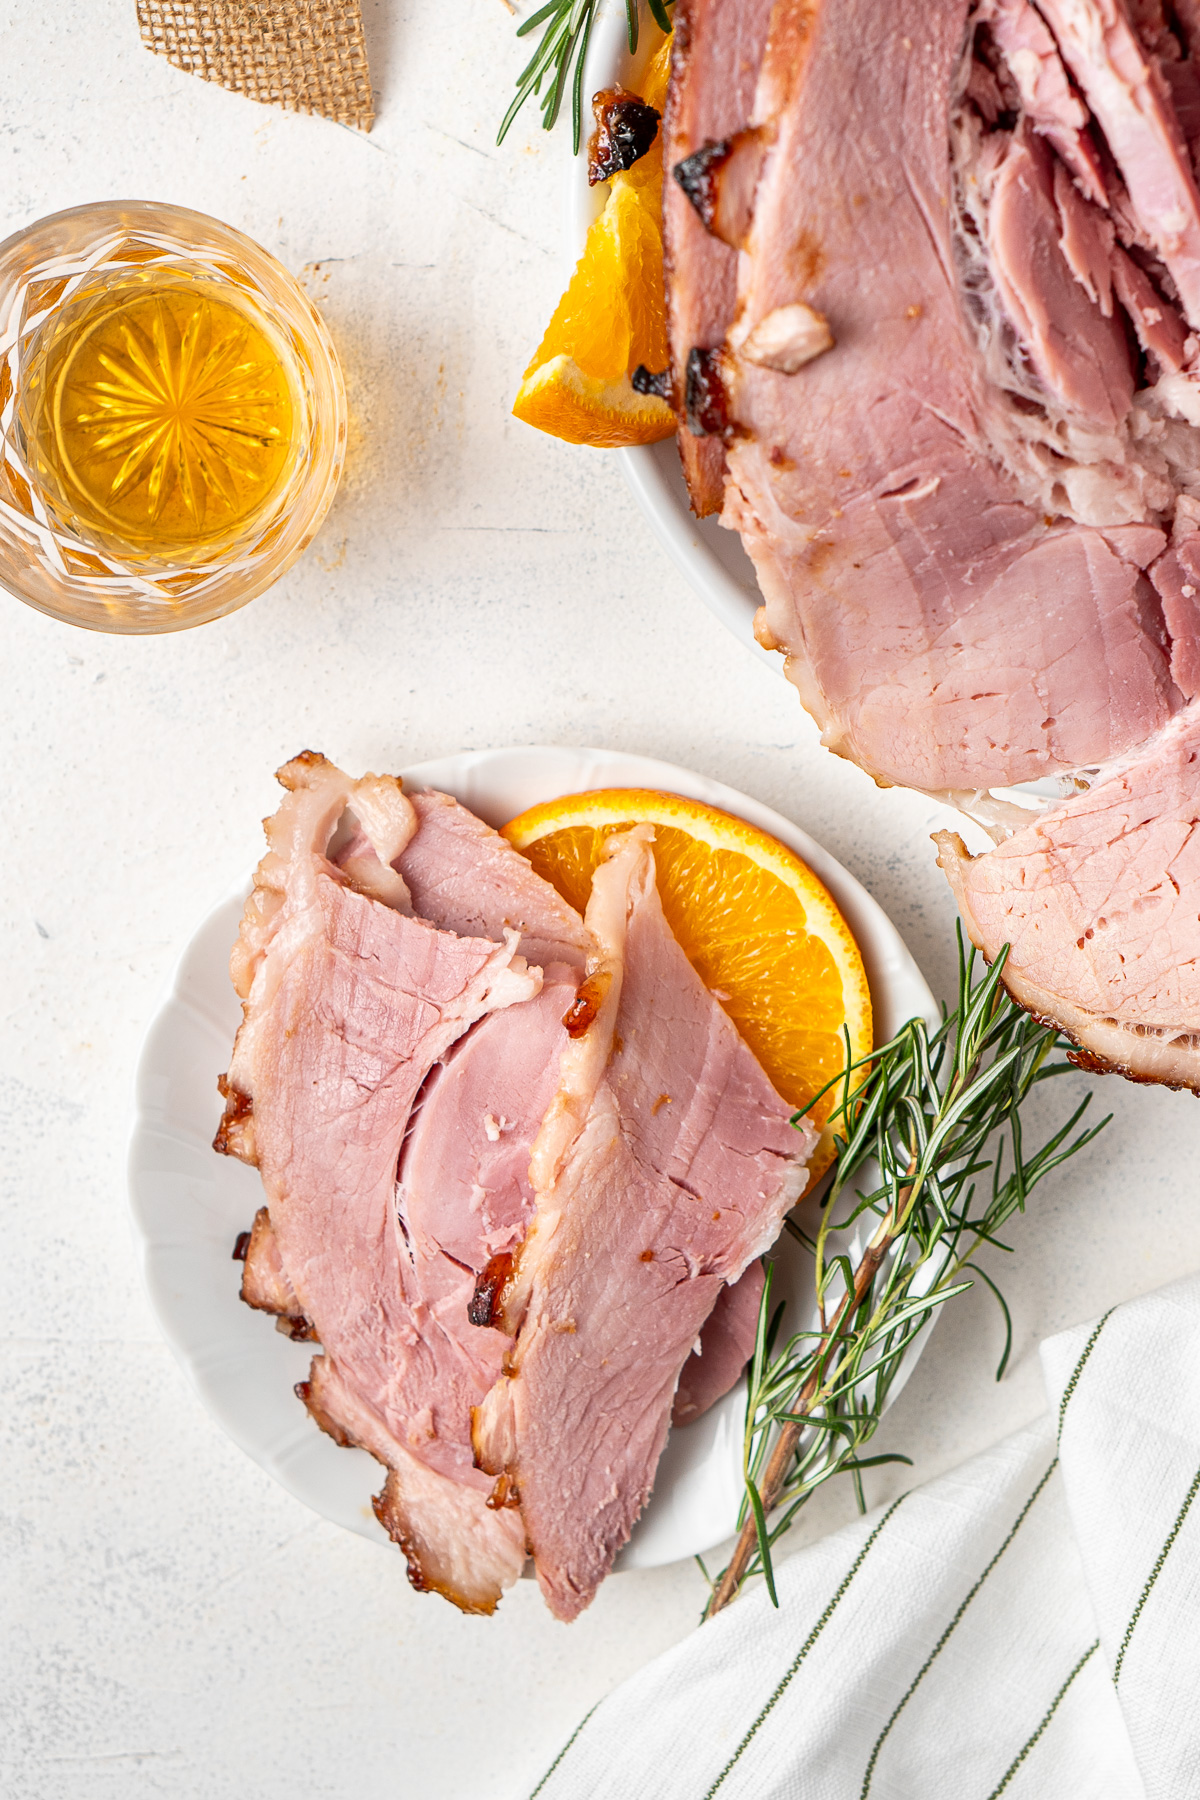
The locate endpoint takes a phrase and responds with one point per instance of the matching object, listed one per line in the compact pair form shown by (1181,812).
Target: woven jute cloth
(306,55)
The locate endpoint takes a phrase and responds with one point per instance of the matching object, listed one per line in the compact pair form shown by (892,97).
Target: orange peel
(612,316)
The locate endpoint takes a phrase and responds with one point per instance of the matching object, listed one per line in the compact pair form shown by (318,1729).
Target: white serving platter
(710,558)
(189,1204)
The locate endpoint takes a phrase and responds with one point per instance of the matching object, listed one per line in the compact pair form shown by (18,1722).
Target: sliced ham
(469,880)
(1157,325)
(1131,100)
(1098,900)
(936,505)
(725,1346)
(348,1003)
(945,629)
(465,1199)
(1080,351)
(972,502)
(463,1186)
(265,1282)
(456,1146)
(1048,101)
(667,1146)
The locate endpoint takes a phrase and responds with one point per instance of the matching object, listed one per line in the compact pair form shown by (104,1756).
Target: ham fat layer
(667,1148)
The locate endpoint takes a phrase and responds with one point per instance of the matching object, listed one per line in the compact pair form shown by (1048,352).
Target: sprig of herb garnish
(917,1123)
(560,56)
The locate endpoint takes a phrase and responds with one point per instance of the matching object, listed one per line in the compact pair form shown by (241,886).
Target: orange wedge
(612,316)
(762,932)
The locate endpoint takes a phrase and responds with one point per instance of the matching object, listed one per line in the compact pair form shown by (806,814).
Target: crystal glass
(172,417)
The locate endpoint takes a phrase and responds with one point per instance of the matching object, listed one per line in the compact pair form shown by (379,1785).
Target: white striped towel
(1028,1625)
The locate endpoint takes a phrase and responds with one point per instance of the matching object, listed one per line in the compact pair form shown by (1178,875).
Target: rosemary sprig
(560,56)
(917,1123)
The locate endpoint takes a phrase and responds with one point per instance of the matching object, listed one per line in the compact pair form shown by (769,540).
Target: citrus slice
(612,317)
(762,932)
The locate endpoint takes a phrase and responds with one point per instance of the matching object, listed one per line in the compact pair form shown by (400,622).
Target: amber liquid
(161,416)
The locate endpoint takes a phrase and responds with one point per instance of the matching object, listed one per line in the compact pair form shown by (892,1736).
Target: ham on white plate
(934,304)
(519,1168)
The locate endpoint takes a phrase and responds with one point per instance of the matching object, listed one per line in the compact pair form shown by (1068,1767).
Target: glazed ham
(958,403)
(663,1167)
(1099,900)
(350,1000)
(404,1078)
(725,1347)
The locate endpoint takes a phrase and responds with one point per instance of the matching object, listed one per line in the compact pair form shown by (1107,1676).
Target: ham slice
(714,65)
(463,1198)
(419,1100)
(348,1003)
(467,879)
(1080,352)
(667,1147)
(1048,102)
(463,1186)
(726,1346)
(972,500)
(1131,100)
(1098,900)
(265,1282)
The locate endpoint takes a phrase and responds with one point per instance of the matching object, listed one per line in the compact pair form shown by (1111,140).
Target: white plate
(710,558)
(189,1204)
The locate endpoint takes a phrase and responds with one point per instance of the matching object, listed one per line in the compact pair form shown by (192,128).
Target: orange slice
(612,316)
(762,932)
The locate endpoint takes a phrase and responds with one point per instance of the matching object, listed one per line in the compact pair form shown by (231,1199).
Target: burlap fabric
(306,55)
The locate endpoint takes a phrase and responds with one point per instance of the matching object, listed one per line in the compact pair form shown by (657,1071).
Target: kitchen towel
(304,55)
(1027,1625)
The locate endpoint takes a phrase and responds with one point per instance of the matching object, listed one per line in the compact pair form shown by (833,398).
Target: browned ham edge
(265,1283)
(714,65)
(720,180)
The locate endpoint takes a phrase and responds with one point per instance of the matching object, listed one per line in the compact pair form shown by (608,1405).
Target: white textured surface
(170,1621)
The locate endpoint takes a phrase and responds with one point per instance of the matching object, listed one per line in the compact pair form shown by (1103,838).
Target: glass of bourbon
(172,417)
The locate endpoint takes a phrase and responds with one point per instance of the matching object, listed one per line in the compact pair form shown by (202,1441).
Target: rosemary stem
(776,1472)
(931,1112)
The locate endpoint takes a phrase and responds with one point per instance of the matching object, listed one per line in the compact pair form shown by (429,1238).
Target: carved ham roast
(664,1166)
(484,1203)
(934,292)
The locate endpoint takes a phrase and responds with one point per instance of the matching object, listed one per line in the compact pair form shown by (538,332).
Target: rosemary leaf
(931,1161)
(1003,1305)
(764,1543)
(561,54)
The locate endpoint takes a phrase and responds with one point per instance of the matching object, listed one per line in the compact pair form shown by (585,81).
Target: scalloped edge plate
(188,1204)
